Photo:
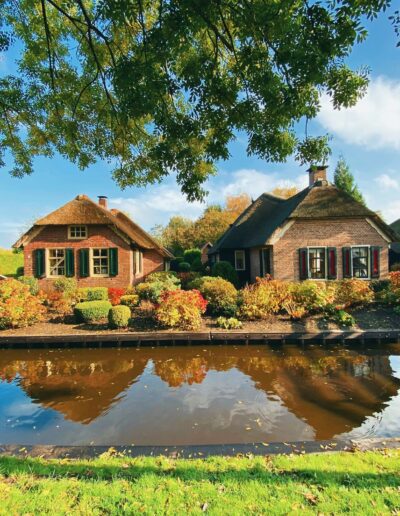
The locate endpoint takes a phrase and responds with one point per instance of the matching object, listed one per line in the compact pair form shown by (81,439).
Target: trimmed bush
(130,300)
(18,307)
(31,282)
(20,272)
(175,263)
(220,294)
(197,265)
(184,267)
(67,286)
(181,309)
(186,278)
(229,324)
(92,311)
(93,294)
(191,255)
(226,271)
(118,316)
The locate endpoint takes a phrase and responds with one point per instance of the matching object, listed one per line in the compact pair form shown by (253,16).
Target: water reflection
(183,395)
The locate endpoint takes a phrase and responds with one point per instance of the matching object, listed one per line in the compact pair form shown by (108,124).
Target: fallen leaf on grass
(311,498)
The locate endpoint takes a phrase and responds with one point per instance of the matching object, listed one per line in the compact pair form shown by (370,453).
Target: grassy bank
(9,262)
(359,483)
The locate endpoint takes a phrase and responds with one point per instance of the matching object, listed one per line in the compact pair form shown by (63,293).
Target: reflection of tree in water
(332,390)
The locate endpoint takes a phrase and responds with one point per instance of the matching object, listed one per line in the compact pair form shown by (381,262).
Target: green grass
(359,483)
(9,262)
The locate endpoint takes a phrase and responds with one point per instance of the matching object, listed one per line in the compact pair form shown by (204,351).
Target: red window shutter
(346,262)
(303,266)
(332,263)
(375,262)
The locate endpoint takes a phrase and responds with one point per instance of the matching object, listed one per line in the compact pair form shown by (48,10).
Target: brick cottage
(319,233)
(97,246)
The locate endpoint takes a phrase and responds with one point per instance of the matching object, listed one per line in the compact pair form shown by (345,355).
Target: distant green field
(9,262)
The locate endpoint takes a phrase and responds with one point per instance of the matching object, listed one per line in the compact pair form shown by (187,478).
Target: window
(137,262)
(240,260)
(56,262)
(359,262)
(77,232)
(317,262)
(100,265)
(167,265)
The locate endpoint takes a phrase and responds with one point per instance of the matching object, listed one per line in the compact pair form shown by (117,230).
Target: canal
(180,395)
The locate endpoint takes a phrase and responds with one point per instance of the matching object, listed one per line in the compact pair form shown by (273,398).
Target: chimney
(103,201)
(317,174)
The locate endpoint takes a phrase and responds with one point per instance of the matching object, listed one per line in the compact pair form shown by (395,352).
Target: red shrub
(115,294)
(181,309)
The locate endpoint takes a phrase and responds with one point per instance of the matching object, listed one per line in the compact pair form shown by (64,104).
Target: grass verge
(9,262)
(359,483)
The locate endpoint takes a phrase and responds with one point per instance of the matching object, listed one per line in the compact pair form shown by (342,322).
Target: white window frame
(91,262)
(326,262)
(70,237)
(368,261)
(47,264)
(244,259)
(138,262)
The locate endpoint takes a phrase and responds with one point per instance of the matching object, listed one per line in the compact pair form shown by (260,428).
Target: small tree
(344,180)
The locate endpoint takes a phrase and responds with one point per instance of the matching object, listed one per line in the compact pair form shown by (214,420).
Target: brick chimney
(103,201)
(317,174)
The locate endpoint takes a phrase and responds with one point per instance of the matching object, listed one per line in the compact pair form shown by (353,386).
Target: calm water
(198,395)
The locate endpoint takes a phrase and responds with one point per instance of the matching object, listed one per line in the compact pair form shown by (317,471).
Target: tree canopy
(163,86)
(344,180)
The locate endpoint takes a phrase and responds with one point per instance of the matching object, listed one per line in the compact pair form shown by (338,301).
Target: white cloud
(373,122)
(387,182)
(391,211)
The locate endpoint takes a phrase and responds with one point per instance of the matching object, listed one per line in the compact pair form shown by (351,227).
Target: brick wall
(152,262)
(98,236)
(330,233)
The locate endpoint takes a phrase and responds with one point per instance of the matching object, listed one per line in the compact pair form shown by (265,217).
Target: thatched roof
(265,215)
(83,210)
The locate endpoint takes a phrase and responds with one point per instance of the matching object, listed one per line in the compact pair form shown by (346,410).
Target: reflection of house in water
(332,391)
(81,384)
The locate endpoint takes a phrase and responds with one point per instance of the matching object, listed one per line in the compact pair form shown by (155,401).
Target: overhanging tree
(162,86)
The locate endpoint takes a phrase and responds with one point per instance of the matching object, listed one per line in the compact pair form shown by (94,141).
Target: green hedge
(93,294)
(92,311)
(118,316)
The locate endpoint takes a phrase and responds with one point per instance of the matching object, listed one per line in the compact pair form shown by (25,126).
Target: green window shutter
(39,260)
(332,263)
(346,257)
(69,263)
(375,261)
(84,263)
(303,265)
(113,261)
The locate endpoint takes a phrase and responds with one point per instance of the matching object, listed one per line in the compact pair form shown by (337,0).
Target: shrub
(294,310)
(263,298)
(115,294)
(192,255)
(186,278)
(19,272)
(152,290)
(396,309)
(18,307)
(220,294)
(67,286)
(395,280)
(92,311)
(165,277)
(181,309)
(197,283)
(59,303)
(146,308)
(229,324)
(339,316)
(184,267)
(130,300)
(353,292)
(197,265)
(226,271)
(395,267)
(118,316)
(93,294)
(175,263)
(31,282)
(311,295)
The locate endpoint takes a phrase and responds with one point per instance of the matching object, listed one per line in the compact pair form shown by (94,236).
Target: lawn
(358,483)
(9,262)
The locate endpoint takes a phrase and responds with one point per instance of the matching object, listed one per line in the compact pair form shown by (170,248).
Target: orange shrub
(181,309)
(18,307)
(353,292)
(395,280)
(263,298)
(115,294)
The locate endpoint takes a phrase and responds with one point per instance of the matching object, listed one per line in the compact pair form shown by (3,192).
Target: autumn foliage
(181,309)
(18,307)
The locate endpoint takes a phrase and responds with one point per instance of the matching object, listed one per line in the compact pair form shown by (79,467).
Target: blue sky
(368,136)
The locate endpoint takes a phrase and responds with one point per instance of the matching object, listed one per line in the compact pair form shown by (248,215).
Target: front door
(265,261)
